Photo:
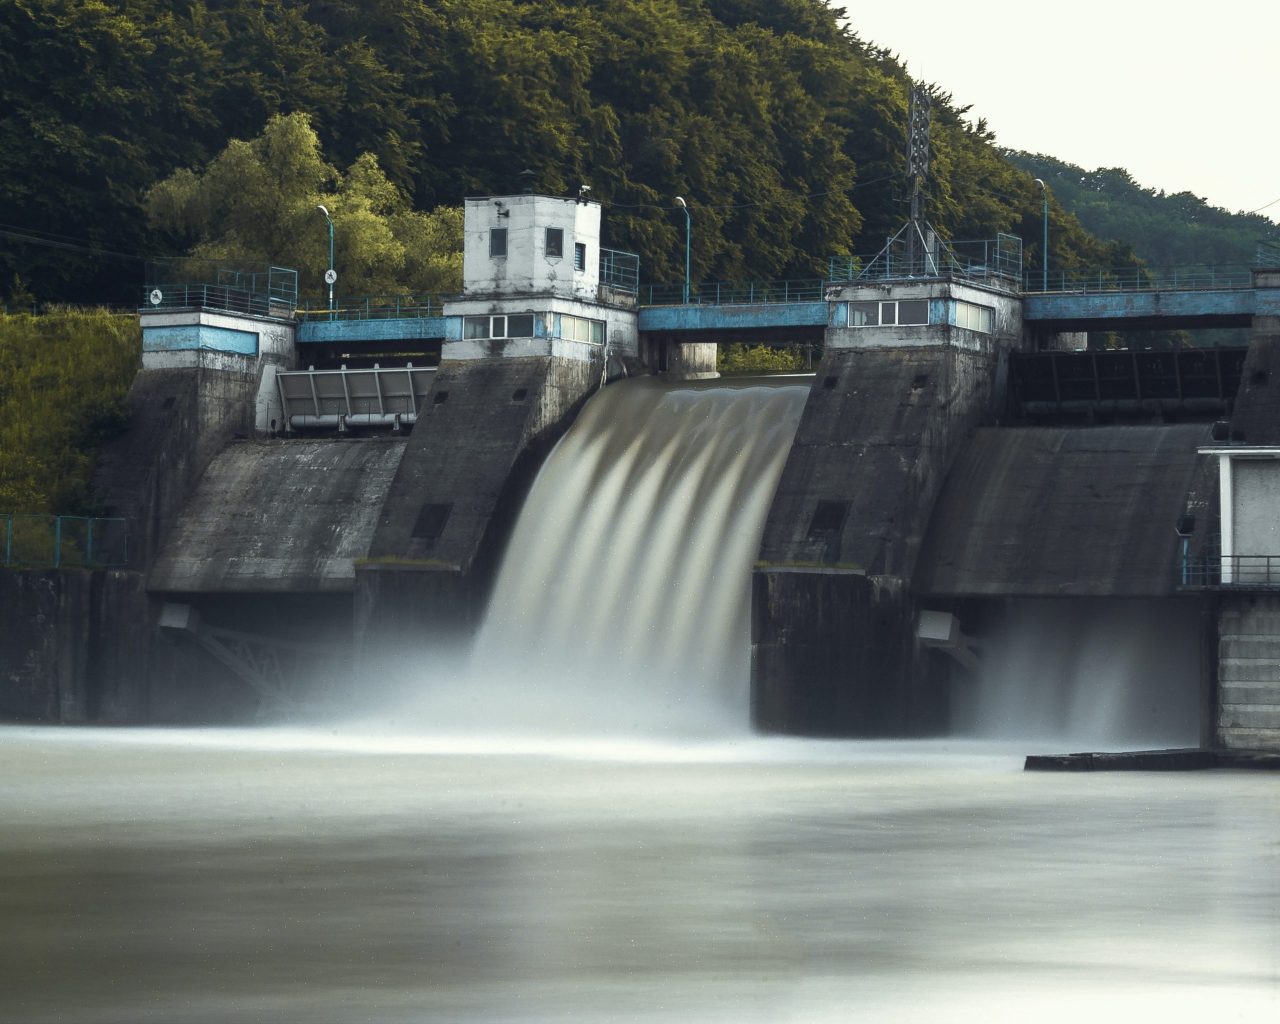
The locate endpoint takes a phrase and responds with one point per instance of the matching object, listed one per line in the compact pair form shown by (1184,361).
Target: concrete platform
(1177,760)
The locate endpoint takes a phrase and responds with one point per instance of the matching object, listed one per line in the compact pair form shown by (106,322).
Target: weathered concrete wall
(279,517)
(1255,512)
(1256,417)
(1056,512)
(480,437)
(878,434)
(834,654)
(74,646)
(179,419)
(1248,705)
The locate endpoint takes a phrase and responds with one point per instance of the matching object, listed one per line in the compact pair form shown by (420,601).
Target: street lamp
(1044,250)
(688,230)
(330,275)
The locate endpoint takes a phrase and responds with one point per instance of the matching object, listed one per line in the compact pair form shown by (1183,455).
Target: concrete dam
(538,500)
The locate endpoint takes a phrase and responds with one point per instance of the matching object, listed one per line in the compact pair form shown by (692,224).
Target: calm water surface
(294,876)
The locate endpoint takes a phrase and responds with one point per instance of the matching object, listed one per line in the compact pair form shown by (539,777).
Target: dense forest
(782,128)
(1164,230)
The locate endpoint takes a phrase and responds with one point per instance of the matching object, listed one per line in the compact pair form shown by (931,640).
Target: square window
(864,314)
(520,325)
(555,241)
(579,256)
(497,241)
(475,327)
(913,311)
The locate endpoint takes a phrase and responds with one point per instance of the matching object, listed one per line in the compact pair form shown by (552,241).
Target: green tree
(256,204)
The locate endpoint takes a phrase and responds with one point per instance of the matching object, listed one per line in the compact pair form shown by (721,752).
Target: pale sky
(1186,96)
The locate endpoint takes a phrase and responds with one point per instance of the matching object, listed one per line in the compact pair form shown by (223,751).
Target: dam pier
(318,503)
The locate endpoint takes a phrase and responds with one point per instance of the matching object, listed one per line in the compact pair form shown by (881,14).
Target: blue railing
(61,541)
(735,293)
(374,307)
(1211,571)
(1144,279)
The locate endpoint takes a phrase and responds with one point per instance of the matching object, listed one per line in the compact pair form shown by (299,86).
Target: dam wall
(1067,512)
(74,646)
(1248,701)
(481,435)
(279,517)
(833,620)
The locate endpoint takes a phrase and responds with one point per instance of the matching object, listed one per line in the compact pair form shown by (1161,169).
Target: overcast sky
(1186,96)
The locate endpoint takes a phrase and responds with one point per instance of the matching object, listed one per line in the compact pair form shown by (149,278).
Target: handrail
(374,307)
(735,293)
(1212,571)
(90,542)
(1143,279)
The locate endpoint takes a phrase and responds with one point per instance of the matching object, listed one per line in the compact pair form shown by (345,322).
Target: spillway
(622,603)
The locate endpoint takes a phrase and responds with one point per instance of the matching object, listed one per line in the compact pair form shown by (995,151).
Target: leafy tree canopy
(1165,230)
(258,203)
(782,129)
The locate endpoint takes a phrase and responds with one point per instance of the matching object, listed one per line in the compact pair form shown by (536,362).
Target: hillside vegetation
(1164,229)
(782,129)
(63,380)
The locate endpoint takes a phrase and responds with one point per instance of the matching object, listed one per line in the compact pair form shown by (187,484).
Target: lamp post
(330,275)
(1044,246)
(688,231)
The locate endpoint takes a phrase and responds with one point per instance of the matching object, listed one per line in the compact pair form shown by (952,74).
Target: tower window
(497,241)
(579,256)
(555,241)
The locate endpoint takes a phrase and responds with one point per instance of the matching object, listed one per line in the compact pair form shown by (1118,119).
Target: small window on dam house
(497,242)
(555,242)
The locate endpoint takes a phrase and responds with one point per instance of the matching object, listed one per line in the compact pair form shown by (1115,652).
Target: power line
(56,243)
(745,206)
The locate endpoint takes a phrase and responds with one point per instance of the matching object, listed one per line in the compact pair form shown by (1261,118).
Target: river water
(579,826)
(328,876)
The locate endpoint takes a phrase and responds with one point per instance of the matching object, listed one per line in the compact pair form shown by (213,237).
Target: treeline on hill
(1165,230)
(783,130)
(63,380)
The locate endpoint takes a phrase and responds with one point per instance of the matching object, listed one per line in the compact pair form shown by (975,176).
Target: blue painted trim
(705,318)
(1121,306)
(354,332)
(188,337)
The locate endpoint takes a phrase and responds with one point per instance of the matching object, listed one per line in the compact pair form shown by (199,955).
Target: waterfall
(623,602)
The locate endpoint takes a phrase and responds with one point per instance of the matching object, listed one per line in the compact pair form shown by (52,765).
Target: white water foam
(623,602)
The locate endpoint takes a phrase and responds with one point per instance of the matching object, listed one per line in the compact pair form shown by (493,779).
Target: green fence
(63,541)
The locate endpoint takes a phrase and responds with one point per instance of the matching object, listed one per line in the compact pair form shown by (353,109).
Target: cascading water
(1098,674)
(623,602)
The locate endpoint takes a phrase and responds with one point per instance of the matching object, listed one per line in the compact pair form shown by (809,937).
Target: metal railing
(620,271)
(1144,279)
(980,259)
(374,307)
(199,284)
(1212,571)
(60,541)
(735,293)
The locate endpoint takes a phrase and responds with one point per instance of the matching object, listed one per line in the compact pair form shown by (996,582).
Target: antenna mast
(918,170)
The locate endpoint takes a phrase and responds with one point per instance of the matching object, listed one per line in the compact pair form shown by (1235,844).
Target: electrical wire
(745,206)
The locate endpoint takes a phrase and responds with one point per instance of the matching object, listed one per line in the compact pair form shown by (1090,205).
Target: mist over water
(1096,674)
(622,606)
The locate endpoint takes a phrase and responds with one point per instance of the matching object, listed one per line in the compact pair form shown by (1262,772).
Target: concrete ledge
(1177,760)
